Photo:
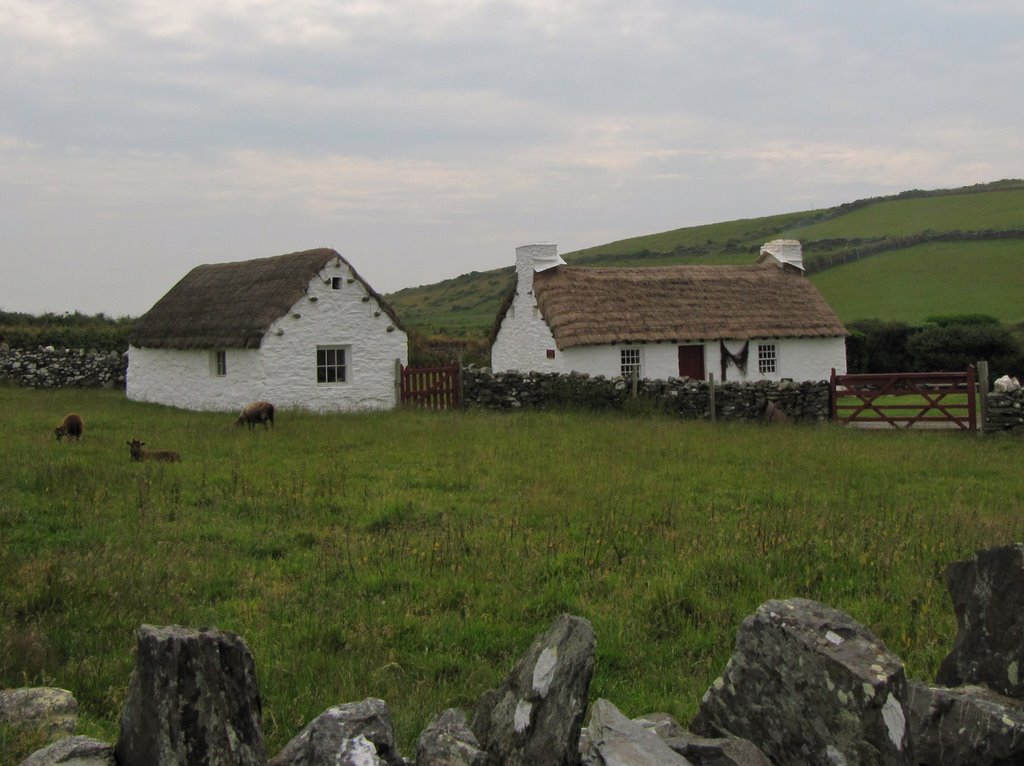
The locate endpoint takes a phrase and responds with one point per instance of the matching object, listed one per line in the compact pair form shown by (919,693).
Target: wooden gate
(907,399)
(432,387)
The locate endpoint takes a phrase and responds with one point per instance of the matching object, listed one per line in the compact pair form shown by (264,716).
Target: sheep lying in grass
(256,412)
(151,454)
(71,427)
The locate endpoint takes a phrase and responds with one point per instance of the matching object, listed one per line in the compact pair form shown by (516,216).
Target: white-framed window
(331,364)
(767,358)
(220,363)
(630,363)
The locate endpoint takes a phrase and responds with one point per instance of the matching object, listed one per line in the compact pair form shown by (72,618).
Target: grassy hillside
(902,257)
(413,556)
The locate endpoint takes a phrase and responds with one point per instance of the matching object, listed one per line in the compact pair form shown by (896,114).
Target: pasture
(413,556)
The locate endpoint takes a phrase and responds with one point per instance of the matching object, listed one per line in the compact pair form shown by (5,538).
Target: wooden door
(691,362)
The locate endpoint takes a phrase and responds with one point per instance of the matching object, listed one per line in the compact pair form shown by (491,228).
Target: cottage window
(336,283)
(629,363)
(767,358)
(220,363)
(331,364)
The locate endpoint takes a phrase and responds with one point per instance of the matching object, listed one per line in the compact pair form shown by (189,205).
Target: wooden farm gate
(933,400)
(431,387)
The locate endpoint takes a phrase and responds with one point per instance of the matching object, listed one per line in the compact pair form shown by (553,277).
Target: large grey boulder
(966,726)
(40,707)
(612,739)
(192,699)
(534,718)
(809,685)
(988,598)
(353,734)
(73,751)
(447,741)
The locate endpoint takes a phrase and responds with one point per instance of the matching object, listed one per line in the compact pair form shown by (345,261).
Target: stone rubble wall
(1005,412)
(685,397)
(49,367)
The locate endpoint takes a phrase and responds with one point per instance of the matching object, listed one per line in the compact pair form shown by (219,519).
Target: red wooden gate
(934,400)
(432,387)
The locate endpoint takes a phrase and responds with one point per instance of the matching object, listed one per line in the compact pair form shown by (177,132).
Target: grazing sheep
(256,412)
(71,427)
(155,454)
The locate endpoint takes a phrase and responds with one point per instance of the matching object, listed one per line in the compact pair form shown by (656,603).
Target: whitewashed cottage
(299,330)
(765,321)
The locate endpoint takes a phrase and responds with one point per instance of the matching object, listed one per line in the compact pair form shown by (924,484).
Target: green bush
(953,347)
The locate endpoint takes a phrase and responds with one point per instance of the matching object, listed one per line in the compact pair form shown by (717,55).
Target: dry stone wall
(685,397)
(49,367)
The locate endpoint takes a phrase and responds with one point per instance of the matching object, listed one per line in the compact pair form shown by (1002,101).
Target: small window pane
(330,365)
(766,358)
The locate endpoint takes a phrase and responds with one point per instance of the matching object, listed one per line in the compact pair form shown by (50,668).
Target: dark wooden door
(691,362)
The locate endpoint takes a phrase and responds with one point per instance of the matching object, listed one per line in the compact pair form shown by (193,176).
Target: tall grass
(413,556)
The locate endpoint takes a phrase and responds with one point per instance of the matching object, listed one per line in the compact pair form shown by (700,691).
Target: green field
(413,556)
(930,280)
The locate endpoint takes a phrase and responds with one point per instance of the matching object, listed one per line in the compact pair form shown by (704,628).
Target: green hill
(907,257)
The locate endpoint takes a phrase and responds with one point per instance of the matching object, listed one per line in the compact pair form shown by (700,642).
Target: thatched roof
(232,305)
(589,306)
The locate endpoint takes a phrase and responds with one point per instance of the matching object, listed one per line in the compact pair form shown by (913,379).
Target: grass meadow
(413,556)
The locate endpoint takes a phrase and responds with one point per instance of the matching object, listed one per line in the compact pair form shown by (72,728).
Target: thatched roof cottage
(299,330)
(765,321)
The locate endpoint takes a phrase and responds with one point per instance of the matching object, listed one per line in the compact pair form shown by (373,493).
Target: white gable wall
(283,370)
(337,318)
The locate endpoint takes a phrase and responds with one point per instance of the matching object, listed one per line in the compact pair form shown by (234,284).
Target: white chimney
(539,256)
(787,254)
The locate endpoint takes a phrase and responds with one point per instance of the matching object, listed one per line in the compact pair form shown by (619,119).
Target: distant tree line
(941,344)
(69,330)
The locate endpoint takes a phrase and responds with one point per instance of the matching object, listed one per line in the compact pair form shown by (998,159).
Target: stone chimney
(533,258)
(787,254)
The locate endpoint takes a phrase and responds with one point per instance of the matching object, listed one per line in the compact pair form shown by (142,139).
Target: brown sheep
(71,427)
(156,454)
(256,412)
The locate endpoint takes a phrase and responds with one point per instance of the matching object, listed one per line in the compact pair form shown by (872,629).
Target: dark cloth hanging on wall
(739,360)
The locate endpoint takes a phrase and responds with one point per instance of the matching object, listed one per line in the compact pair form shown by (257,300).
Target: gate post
(398,382)
(982,392)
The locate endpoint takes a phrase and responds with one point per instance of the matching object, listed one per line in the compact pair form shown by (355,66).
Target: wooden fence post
(711,395)
(398,382)
(982,395)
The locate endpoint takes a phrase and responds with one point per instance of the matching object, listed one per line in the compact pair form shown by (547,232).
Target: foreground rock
(192,699)
(447,741)
(73,751)
(966,726)
(534,718)
(809,685)
(988,598)
(55,710)
(354,734)
(612,739)
(703,751)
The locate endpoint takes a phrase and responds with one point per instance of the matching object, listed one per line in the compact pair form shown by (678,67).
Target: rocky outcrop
(988,599)
(73,751)
(966,726)
(447,741)
(55,710)
(534,717)
(612,739)
(193,699)
(809,685)
(355,734)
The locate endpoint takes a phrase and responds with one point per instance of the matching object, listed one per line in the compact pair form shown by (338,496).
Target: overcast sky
(423,139)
